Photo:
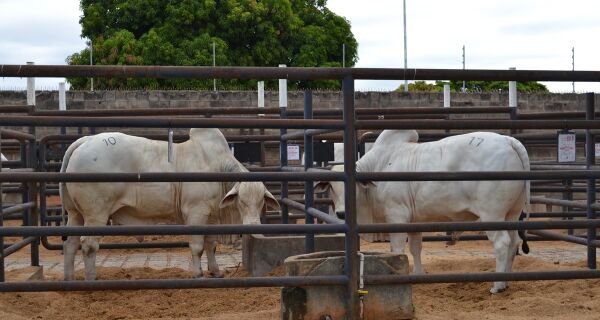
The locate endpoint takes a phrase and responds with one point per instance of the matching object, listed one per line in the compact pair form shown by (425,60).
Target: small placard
(566,146)
(293,152)
(597,148)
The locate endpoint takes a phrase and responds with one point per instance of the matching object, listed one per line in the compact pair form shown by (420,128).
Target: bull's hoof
(217,274)
(198,275)
(495,289)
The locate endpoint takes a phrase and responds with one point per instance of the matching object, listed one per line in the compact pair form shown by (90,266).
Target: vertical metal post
(1,224)
(352,248)
(405,46)
(261,104)
(283,157)
(573,63)
(343,55)
(568,195)
(31,195)
(91,63)
(591,183)
(446,96)
(309,242)
(30,89)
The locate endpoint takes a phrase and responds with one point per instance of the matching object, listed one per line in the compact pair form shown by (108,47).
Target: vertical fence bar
(568,195)
(31,162)
(512,100)
(283,156)
(309,242)
(62,104)
(1,224)
(591,183)
(351,266)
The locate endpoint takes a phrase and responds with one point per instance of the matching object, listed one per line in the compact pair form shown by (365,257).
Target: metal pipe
(169,176)
(351,239)
(482,277)
(307,132)
(564,237)
(565,203)
(471,175)
(475,124)
(170,122)
(18,246)
(309,193)
(291,73)
(15,109)
(312,212)
(97,285)
(13,134)
(476,226)
(17,208)
(591,182)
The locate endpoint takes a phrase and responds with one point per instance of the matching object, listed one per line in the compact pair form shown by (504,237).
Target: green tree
(419,86)
(182,32)
(487,86)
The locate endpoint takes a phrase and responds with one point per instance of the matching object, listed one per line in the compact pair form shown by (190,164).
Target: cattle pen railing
(349,125)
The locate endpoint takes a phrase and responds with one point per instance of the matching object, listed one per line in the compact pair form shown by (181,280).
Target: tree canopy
(182,32)
(473,86)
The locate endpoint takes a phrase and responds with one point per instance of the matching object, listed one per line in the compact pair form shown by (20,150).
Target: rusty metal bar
(553,115)
(98,285)
(477,124)
(13,134)
(16,109)
(170,122)
(292,73)
(310,132)
(482,277)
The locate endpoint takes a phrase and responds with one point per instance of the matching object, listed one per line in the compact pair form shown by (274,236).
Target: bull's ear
(230,197)
(367,184)
(322,186)
(270,201)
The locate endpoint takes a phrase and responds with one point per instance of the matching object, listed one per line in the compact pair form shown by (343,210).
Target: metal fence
(350,124)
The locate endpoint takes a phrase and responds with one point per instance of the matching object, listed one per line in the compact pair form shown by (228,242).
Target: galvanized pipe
(312,212)
(591,182)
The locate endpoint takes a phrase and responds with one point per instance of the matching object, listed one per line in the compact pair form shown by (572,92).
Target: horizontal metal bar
(477,175)
(12,134)
(554,115)
(477,124)
(482,277)
(38,286)
(15,109)
(558,189)
(310,132)
(570,214)
(564,237)
(18,246)
(291,73)
(132,245)
(170,230)
(477,226)
(173,122)
(169,176)
(17,208)
(564,203)
(312,211)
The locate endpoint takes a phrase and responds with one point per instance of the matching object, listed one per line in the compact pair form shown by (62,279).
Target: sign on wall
(293,152)
(566,146)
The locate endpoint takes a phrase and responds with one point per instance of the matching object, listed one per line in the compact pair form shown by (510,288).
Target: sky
(526,34)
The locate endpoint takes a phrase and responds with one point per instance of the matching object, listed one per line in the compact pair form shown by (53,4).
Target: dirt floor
(576,299)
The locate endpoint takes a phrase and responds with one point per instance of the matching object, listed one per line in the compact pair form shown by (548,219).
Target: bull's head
(249,198)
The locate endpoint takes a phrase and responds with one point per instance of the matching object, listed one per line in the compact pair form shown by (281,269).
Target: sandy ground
(523,300)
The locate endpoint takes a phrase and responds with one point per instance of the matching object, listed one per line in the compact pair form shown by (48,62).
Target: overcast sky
(526,34)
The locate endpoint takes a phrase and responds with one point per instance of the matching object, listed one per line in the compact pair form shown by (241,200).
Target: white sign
(597,148)
(566,147)
(293,151)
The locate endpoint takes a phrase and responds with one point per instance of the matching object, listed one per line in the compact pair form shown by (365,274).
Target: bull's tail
(62,188)
(522,153)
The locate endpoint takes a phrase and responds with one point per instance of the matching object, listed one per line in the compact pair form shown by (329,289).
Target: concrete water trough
(263,253)
(329,302)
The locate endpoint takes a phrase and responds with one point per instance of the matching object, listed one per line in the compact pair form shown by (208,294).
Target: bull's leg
(415,243)
(398,242)
(504,254)
(90,245)
(70,246)
(210,246)
(197,248)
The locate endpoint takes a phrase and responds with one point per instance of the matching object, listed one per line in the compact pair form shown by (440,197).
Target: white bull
(192,203)
(429,201)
